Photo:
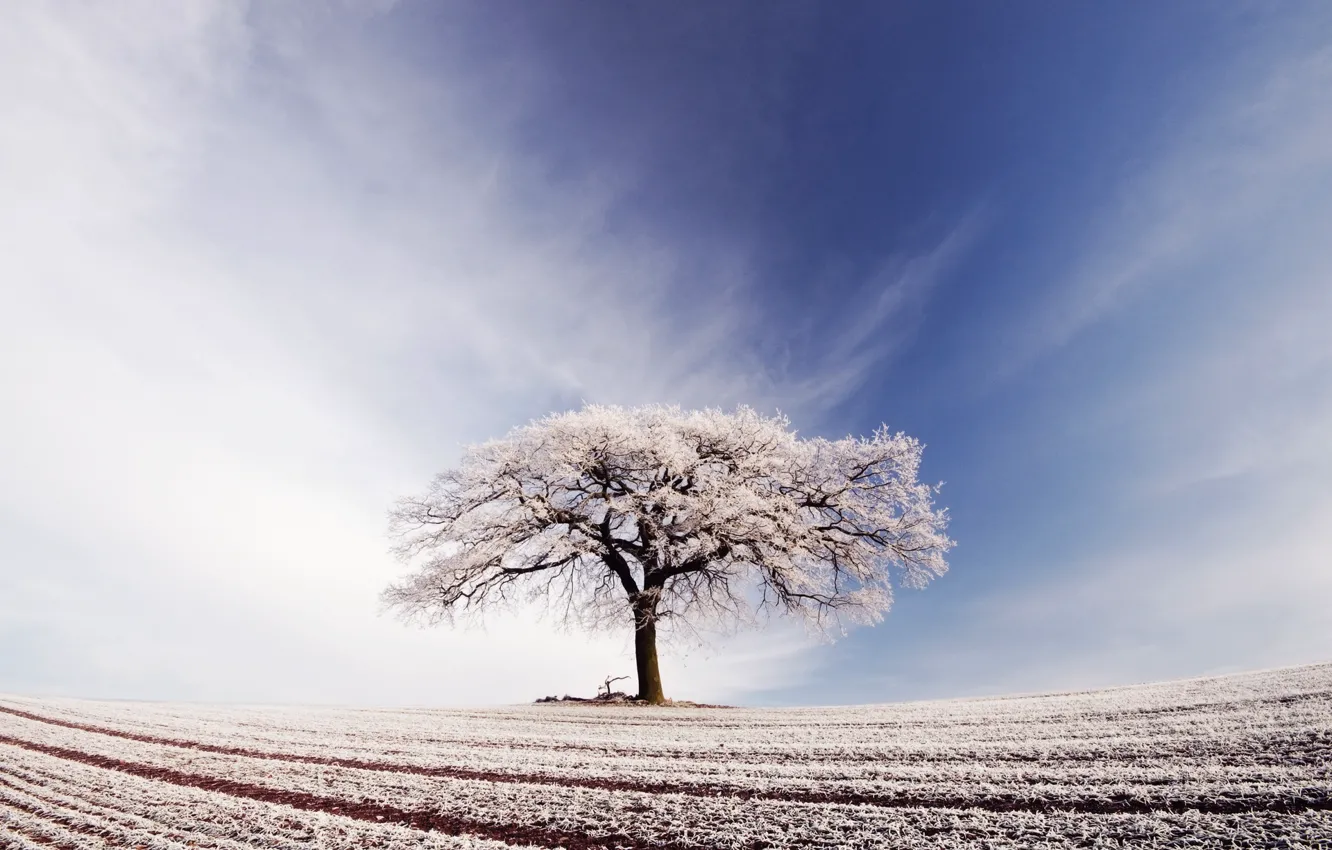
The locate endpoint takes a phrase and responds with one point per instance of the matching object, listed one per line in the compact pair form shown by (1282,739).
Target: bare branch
(713,517)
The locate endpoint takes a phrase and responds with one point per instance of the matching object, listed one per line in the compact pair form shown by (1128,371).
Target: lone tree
(614,516)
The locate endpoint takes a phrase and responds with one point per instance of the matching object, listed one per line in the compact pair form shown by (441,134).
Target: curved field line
(1113,804)
(59,821)
(366,811)
(24,840)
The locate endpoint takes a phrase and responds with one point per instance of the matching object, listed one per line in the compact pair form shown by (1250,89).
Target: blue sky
(267,268)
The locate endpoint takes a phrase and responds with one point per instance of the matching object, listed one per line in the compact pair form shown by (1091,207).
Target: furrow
(368,811)
(12,837)
(30,794)
(1236,738)
(1238,761)
(1122,793)
(228,822)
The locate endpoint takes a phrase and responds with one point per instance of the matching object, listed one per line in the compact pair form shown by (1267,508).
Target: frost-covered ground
(1240,761)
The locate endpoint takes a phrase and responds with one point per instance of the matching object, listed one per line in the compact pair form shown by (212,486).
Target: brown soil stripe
(1265,750)
(44,839)
(366,811)
(1315,800)
(39,839)
(37,813)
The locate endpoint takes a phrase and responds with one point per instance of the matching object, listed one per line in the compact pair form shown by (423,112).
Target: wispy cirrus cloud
(1205,296)
(263,275)
(1234,172)
(856,329)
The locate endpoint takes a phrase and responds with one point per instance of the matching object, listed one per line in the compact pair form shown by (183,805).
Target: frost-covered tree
(615,517)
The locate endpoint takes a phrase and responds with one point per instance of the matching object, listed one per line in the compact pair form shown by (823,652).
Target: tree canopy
(613,517)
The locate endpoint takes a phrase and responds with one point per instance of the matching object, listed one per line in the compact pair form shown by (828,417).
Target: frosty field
(1239,761)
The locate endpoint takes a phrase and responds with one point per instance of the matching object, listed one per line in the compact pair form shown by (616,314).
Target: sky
(265,268)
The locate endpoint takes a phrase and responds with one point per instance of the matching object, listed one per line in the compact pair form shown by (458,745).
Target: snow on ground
(1237,761)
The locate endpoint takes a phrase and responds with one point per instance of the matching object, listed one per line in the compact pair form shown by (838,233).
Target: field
(1239,761)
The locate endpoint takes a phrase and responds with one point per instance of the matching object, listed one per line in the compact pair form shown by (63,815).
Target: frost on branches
(614,516)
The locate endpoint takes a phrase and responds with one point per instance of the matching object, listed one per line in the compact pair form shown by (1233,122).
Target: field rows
(1234,761)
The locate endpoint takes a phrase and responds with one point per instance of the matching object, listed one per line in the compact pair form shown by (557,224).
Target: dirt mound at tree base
(620,698)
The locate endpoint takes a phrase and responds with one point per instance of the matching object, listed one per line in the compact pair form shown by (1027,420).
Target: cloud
(262,276)
(1239,374)
(1205,297)
(1217,598)
(861,330)
(1247,155)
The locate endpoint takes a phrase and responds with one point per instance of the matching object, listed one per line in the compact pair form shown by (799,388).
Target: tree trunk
(645,651)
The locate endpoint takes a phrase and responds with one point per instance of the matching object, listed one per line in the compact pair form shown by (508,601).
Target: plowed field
(1238,761)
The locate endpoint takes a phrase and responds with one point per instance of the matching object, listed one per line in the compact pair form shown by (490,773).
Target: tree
(653,515)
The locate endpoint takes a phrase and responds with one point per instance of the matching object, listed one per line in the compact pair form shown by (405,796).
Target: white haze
(258,281)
